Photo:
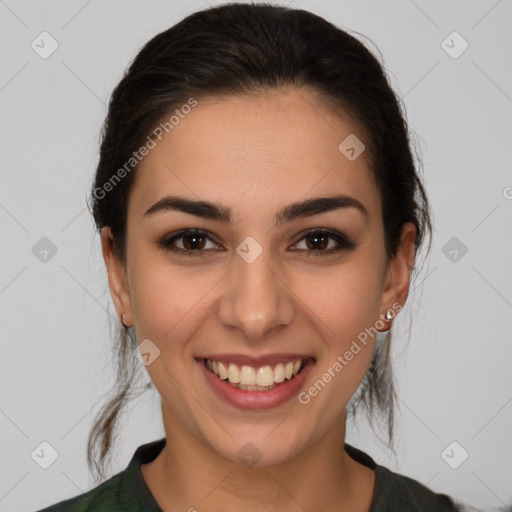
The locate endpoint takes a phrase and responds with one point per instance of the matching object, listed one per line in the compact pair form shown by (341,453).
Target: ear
(117,280)
(396,285)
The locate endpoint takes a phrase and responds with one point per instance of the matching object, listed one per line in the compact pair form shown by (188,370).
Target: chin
(261,448)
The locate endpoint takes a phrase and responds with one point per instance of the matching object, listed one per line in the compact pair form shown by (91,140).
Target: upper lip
(270,359)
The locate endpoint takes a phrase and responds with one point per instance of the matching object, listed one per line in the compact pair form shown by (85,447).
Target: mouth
(256,385)
(251,378)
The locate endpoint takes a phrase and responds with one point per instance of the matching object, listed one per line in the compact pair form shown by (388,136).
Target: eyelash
(343,242)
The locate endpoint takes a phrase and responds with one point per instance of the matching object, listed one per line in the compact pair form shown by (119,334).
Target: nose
(256,299)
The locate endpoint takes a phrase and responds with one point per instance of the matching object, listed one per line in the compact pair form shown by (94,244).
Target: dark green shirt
(127,491)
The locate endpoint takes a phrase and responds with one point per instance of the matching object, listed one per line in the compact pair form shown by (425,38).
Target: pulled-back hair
(238,49)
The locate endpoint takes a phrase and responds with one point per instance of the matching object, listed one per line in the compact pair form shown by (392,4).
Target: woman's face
(258,290)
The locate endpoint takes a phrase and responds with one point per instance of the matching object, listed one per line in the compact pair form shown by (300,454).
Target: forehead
(255,151)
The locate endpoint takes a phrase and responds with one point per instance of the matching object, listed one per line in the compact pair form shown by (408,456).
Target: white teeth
(223,371)
(265,376)
(279,373)
(233,374)
(254,379)
(247,376)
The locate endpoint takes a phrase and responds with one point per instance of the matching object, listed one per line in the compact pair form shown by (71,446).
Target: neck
(188,475)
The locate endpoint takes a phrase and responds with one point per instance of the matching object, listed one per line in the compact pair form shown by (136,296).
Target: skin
(256,155)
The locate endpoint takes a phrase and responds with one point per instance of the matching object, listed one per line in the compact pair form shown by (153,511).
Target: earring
(389,315)
(123,319)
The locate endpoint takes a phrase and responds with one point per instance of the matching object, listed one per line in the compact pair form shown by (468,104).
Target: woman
(260,216)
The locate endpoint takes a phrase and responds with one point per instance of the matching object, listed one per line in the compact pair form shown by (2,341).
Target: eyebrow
(214,211)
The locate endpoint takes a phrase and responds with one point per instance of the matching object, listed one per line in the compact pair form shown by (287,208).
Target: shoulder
(103,497)
(395,492)
(402,493)
(124,492)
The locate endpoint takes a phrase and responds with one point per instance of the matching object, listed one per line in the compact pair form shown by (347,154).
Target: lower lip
(256,399)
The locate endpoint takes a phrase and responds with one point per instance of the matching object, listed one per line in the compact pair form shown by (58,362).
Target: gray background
(453,371)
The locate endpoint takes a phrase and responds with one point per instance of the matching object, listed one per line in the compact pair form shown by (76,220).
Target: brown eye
(193,242)
(320,242)
(317,241)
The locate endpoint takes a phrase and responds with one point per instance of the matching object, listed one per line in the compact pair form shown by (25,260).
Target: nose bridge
(255,299)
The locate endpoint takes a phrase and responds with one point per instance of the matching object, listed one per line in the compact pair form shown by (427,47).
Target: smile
(251,384)
(250,378)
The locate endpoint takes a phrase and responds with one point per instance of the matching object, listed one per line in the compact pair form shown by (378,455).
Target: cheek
(346,299)
(346,306)
(169,308)
(159,301)
(347,311)
(169,301)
